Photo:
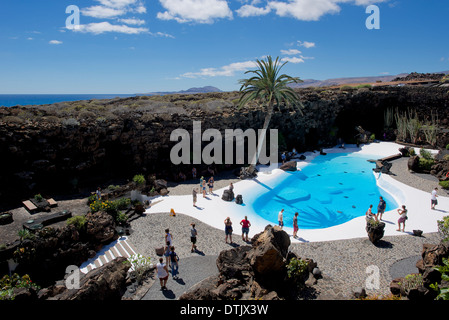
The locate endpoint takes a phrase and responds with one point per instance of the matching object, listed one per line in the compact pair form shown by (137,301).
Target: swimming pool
(332,189)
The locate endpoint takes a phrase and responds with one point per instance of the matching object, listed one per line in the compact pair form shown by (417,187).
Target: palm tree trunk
(262,136)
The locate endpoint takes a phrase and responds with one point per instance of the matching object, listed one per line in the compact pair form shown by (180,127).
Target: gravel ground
(424,182)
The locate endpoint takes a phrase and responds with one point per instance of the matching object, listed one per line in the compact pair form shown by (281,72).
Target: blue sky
(136,46)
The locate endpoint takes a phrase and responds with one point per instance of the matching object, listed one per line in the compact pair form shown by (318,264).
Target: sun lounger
(52,203)
(29,206)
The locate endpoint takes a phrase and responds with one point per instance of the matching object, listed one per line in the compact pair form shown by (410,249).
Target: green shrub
(412,281)
(425,154)
(121,218)
(412,152)
(139,179)
(297,270)
(107,206)
(444,184)
(140,265)
(447,147)
(122,203)
(426,164)
(78,221)
(91,198)
(443,292)
(443,228)
(8,283)
(38,197)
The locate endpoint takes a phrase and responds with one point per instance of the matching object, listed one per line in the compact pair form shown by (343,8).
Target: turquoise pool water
(331,190)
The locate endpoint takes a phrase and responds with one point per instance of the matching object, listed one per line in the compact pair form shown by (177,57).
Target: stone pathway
(192,270)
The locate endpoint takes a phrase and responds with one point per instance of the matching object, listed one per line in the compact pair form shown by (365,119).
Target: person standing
(194,194)
(174,263)
(403,216)
(228,229)
(194,173)
(193,234)
(98,193)
(381,208)
(281,218)
(245,228)
(162,273)
(168,237)
(433,199)
(211,185)
(167,252)
(204,188)
(295,225)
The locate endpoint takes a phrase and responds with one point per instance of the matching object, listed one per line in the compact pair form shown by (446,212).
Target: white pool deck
(214,210)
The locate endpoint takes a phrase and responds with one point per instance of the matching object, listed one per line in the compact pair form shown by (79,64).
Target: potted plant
(375,230)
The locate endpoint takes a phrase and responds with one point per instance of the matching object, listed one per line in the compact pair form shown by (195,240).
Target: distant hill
(342,81)
(205,89)
(351,80)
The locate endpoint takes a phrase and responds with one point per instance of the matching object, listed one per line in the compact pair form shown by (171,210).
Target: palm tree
(269,89)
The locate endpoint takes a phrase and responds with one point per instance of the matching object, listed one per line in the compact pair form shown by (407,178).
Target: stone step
(119,248)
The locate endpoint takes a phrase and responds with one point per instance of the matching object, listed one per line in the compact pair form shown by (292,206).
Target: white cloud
(249,10)
(113,8)
(102,12)
(118,3)
(306,10)
(306,44)
(200,11)
(133,21)
(55,42)
(162,34)
(293,60)
(102,27)
(290,52)
(225,71)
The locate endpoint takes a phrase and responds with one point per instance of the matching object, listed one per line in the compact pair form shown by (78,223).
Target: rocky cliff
(65,147)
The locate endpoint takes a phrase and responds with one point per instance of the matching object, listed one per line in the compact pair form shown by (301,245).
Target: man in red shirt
(245,228)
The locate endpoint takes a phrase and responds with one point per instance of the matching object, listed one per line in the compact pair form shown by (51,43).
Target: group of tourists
(381,210)
(203,185)
(228,229)
(171,257)
(401,211)
(295,222)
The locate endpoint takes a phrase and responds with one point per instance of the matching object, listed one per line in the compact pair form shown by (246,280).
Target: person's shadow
(169,294)
(199,252)
(180,281)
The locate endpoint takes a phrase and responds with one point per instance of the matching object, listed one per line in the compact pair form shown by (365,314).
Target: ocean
(9,100)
